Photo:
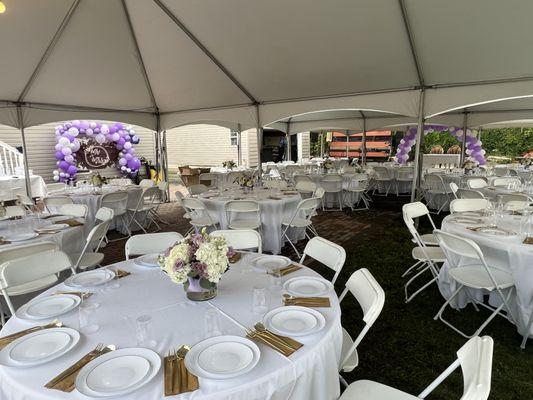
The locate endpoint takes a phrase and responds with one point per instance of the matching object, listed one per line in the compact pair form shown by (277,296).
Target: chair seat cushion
(32,286)
(475,276)
(352,361)
(203,221)
(433,253)
(369,390)
(428,239)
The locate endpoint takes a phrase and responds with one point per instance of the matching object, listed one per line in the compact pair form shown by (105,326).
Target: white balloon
(73,131)
(55,172)
(63,141)
(92,125)
(58,147)
(62,174)
(104,129)
(123,168)
(128,170)
(89,132)
(67,175)
(56,178)
(100,138)
(69,159)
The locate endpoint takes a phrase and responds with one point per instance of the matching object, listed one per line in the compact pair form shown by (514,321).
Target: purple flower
(231,252)
(179,265)
(200,268)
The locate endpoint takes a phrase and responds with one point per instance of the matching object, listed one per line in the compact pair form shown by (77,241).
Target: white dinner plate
(467,220)
(118,372)
(90,278)
(48,307)
(147,260)
(308,286)
(294,321)
(20,237)
(222,357)
(53,227)
(39,347)
(496,232)
(269,263)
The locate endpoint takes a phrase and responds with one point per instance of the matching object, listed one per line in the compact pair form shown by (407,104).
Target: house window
(234,137)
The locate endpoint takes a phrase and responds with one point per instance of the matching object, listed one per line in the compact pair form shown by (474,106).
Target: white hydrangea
(214,255)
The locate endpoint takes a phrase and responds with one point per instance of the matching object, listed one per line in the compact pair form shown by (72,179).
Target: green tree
(508,142)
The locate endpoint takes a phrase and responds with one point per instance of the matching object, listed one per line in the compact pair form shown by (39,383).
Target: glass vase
(200,289)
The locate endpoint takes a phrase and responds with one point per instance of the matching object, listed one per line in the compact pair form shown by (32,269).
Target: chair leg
(408,271)
(427,267)
(292,244)
(343,381)
(526,333)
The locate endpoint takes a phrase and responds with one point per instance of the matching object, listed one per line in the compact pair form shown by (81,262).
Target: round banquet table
(507,253)
(273,211)
(311,373)
(10,186)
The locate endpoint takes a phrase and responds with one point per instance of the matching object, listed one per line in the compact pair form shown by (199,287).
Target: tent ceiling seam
(204,49)
(49,49)
(410,37)
(139,55)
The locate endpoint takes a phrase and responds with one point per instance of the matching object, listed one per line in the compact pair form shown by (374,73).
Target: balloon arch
(473,145)
(75,136)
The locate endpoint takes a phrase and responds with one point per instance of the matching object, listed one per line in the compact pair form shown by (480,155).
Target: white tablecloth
(11,186)
(505,253)
(308,374)
(272,213)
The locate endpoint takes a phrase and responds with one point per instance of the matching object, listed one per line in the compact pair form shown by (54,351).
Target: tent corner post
(24,152)
(463,139)
(418,159)
(259,141)
(363,144)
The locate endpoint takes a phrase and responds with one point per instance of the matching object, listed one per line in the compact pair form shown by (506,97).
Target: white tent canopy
(177,62)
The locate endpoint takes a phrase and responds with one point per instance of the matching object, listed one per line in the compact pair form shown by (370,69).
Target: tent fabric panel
(298,127)
(40,115)
(8,115)
(280,50)
(181,75)
(401,102)
(94,63)
(26,31)
(442,100)
(456,39)
(228,117)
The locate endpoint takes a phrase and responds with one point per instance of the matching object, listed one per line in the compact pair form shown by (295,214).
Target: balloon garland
(68,143)
(473,145)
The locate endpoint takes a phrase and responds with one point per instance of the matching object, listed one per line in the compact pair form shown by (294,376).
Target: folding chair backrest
(476,183)
(331,183)
(26,250)
(319,192)
(475,360)
(307,206)
(463,205)
(135,197)
(32,267)
(104,214)
(94,238)
(75,210)
(500,170)
(193,204)
(116,201)
(151,194)
(405,173)
(454,188)
(328,253)
(410,211)
(382,172)
(242,206)
(302,178)
(516,205)
(15,211)
(507,197)
(146,183)
(504,182)
(458,245)
(469,194)
(150,243)
(57,201)
(241,239)
(434,182)
(208,179)
(197,189)
(306,186)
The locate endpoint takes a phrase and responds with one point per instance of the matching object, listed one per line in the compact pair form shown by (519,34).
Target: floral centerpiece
(246,182)
(97,180)
(198,262)
(469,166)
(328,164)
(230,164)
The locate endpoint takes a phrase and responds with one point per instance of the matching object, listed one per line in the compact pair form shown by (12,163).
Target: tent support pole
(363,144)
(24,152)
(259,141)
(288,156)
(347,143)
(239,145)
(418,157)
(463,149)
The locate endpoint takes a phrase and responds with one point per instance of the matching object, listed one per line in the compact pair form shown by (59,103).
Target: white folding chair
(179,200)
(104,214)
(469,194)
(473,273)
(476,183)
(426,257)
(504,182)
(383,179)
(12,253)
(26,202)
(52,203)
(514,197)
(435,192)
(305,188)
(197,189)
(454,188)
(371,298)
(403,180)
(357,192)
(242,239)
(89,256)
(74,210)
(30,271)
(474,358)
(142,205)
(243,214)
(328,253)
(208,179)
(150,243)
(200,217)
(332,184)
(301,219)
(146,183)
(465,205)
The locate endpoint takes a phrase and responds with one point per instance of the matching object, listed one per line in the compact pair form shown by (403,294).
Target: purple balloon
(72,170)
(121,142)
(59,155)
(119,126)
(134,163)
(64,165)
(123,161)
(128,156)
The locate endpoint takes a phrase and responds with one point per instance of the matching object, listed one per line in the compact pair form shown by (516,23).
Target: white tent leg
(419,136)
(24,153)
